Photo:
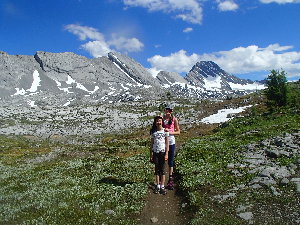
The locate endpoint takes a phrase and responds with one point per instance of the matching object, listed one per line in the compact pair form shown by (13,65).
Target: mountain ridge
(113,78)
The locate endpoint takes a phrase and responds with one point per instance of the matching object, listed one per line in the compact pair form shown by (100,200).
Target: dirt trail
(162,209)
(166,209)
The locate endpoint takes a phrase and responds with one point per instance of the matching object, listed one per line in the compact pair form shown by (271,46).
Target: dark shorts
(159,161)
(171,155)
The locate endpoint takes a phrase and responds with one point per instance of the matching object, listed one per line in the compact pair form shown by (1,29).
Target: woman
(172,126)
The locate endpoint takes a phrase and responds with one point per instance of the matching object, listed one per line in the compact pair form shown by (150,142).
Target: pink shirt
(171,126)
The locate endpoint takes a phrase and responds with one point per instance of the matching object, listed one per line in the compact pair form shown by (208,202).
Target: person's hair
(171,119)
(154,128)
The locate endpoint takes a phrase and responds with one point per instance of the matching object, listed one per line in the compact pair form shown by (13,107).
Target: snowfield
(221,115)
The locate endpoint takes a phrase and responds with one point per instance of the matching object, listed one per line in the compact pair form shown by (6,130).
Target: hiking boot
(163,191)
(156,190)
(170,185)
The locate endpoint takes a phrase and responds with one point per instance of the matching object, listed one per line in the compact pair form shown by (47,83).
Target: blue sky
(247,38)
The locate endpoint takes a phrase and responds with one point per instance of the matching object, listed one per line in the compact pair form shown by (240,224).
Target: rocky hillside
(247,172)
(64,78)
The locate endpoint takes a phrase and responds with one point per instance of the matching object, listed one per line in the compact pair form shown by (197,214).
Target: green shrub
(294,94)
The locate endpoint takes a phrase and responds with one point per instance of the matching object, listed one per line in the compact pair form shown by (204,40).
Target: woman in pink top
(171,124)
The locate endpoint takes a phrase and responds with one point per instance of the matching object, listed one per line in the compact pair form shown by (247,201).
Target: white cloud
(84,32)
(190,10)
(98,46)
(279,1)
(227,5)
(176,62)
(249,59)
(153,71)
(239,60)
(187,30)
(121,43)
(187,10)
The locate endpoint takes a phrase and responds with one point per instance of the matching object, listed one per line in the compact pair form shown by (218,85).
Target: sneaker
(163,191)
(156,190)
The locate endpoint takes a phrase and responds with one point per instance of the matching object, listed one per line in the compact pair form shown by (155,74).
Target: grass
(74,184)
(203,173)
(105,180)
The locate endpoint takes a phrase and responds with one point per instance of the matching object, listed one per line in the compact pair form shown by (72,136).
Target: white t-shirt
(172,139)
(159,141)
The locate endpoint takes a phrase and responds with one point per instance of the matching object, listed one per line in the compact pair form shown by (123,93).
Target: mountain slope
(113,78)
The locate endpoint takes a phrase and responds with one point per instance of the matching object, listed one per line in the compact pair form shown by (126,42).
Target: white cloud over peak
(176,62)
(227,5)
(187,10)
(98,46)
(279,1)
(240,60)
(125,44)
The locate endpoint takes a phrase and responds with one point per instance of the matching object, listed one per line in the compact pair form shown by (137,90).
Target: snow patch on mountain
(254,86)
(222,115)
(212,83)
(36,82)
(34,86)
(124,72)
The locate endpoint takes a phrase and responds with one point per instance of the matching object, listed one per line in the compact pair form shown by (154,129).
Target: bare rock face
(14,72)
(59,65)
(170,78)
(112,78)
(66,76)
(135,71)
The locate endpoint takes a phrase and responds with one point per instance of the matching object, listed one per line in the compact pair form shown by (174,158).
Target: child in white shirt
(159,153)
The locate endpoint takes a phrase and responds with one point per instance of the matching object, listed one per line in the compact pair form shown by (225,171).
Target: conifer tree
(276,91)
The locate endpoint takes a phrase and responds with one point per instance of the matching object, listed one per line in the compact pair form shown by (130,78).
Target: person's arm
(176,128)
(151,151)
(167,147)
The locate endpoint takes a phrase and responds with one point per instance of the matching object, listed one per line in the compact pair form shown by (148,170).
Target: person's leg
(160,167)
(171,170)
(163,176)
(163,180)
(171,157)
(157,180)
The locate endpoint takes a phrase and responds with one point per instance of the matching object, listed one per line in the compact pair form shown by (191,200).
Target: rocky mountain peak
(207,68)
